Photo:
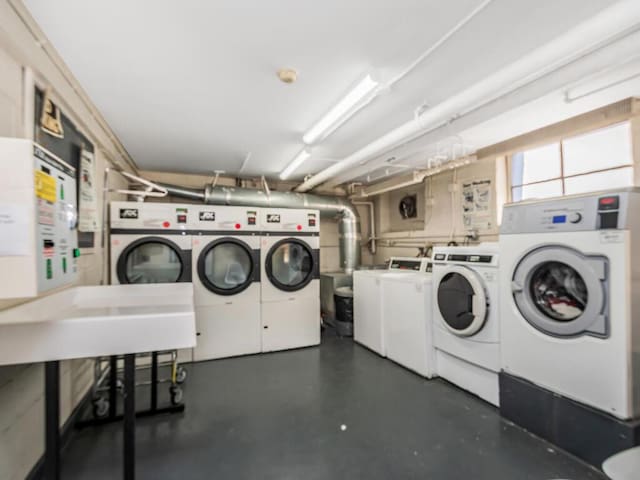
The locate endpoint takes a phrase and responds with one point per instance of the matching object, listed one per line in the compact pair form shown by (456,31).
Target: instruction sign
(88,203)
(45,186)
(14,230)
(476,204)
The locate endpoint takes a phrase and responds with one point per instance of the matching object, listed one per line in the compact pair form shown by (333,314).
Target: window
(598,160)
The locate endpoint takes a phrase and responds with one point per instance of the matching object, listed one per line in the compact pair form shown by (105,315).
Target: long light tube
(295,164)
(341,112)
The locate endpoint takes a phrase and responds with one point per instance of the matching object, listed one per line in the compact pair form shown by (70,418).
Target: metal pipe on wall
(330,207)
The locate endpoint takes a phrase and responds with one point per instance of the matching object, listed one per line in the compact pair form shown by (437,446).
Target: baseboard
(587,433)
(66,434)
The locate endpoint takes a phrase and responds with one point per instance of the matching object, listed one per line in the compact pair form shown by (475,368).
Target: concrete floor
(281,416)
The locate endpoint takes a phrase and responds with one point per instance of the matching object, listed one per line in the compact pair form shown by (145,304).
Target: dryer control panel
(151,216)
(290,220)
(221,218)
(595,211)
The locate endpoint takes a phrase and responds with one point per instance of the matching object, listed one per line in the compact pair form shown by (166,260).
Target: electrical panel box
(38,218)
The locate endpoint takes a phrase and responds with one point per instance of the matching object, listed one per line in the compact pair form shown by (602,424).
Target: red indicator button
(299,227)
(238,226)
(608,200)
(166,224)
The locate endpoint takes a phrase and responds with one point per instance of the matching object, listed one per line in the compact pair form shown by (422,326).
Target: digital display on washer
(559,219)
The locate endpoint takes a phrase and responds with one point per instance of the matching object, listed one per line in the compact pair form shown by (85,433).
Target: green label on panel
(64,264)
(49,269)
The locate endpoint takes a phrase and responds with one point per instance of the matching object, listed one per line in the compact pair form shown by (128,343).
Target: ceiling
(191,86)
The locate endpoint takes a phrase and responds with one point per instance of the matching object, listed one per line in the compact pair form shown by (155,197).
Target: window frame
(560,141)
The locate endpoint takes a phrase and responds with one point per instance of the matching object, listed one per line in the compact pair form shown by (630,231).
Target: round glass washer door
(561,292)
(153,260)
(226,266)
(462,301)
(290,264)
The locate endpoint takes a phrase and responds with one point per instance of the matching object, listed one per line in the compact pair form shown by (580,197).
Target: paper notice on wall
(476,204)
(88,205)
(14,230)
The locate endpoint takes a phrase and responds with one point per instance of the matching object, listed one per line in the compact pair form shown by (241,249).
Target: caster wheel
(176,395)
(181,375)
(100,407)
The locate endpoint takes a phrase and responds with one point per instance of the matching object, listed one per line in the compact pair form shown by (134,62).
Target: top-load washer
(466,324)
(226,281)
(571,314)
(290,271)
(150,242)
(406,311)
(368,323)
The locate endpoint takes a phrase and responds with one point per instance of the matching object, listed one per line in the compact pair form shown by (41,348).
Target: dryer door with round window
(291,264)
(153,260)
(562,292)
(462,301)
(228,266)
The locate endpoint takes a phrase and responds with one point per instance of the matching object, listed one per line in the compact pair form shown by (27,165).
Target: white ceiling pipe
(609,25)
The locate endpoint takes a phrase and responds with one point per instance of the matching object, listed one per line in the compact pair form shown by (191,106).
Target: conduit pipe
(372,225)
(330,207)
(611,24)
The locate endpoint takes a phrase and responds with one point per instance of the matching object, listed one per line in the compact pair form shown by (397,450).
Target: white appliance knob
(575,217)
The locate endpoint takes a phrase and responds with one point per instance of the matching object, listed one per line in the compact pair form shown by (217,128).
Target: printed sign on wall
(88,208)
(476,204)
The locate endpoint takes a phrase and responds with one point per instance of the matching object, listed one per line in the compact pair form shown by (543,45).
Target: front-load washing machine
(226,281)
(150,242)
(466,324)
(407,311)
(571,311)
(368,318)
(290,259)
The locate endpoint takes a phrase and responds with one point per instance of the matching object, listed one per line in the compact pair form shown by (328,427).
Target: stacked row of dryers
(255,271)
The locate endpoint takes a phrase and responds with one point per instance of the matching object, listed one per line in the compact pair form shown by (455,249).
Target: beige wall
(442,212)
(21,387)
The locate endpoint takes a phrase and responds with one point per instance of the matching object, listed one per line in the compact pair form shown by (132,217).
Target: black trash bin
(343,297)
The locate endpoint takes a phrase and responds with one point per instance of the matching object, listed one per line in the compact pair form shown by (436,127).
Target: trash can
(343,297)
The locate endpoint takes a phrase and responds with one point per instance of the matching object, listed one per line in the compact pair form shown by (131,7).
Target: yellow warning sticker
(45,186)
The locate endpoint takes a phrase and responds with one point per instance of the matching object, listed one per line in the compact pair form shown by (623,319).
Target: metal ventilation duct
(330,207)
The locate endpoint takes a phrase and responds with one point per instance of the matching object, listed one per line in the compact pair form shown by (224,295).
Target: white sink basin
(87,322)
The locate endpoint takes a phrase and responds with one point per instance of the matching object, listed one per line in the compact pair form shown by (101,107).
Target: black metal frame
(184,255)
(254,274)
(314,272)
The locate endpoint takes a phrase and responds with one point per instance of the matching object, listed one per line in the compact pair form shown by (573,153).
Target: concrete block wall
(21,386)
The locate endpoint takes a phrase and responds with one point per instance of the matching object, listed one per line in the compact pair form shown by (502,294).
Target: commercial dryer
(226,281)
(290,270)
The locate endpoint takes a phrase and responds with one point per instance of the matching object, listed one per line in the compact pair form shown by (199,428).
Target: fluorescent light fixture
(341,112)
(295,163)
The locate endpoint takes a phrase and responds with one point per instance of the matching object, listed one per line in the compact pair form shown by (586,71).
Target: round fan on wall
(409,206)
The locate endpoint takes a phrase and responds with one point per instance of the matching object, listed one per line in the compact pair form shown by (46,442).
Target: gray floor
(281,416)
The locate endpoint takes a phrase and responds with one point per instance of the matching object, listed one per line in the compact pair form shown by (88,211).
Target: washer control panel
(596,211)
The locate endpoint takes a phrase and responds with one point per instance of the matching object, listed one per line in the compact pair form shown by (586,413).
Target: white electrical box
(38,218)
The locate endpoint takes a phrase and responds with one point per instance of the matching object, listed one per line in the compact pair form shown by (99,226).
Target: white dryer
(466,318)
(368,323)
(226,281)
(407,311)
(571,313)
(150,242)
(290,253)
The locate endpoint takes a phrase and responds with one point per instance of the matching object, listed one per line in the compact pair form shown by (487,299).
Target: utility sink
(85,322)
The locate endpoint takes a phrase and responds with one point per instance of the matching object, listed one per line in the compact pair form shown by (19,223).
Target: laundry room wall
(21,386)
(329,251)
(441,210)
